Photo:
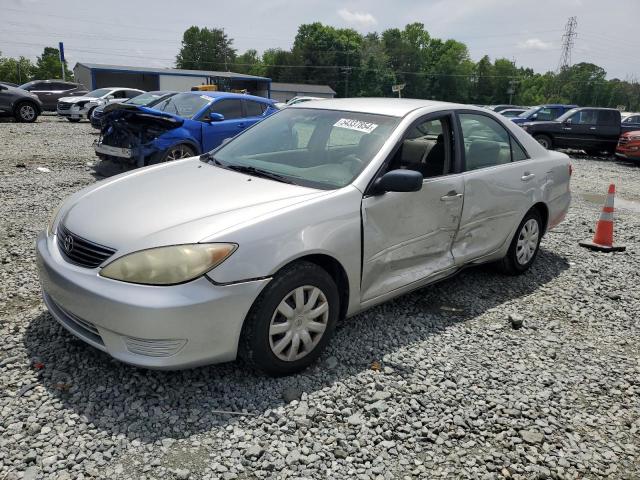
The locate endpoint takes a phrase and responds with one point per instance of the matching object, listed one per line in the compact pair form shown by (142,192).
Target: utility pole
(568,40)
(512,89)
(346,70)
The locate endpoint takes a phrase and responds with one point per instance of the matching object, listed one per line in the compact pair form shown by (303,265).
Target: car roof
(231,95)
(393,107)
(559,105)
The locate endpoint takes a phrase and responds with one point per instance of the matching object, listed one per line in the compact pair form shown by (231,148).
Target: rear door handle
(566,128)
(451,196)
(241,125)
(527,176)
(592,128)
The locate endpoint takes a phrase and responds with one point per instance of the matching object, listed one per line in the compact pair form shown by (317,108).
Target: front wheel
(176,152)
(292,320)
(545,141)
(525,245)
(26,112)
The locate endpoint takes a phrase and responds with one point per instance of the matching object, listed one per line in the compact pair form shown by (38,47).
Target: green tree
(205,49)
(249,63)
(48,65)
(484,81)
(16,70)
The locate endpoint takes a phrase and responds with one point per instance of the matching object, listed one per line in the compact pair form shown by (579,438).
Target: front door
(407,237)
(214,133)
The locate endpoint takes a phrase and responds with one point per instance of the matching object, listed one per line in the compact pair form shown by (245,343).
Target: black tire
(90,112)
(512,264)
(26,112)
(176,152)
(256,340)
(545,141)
(73,120)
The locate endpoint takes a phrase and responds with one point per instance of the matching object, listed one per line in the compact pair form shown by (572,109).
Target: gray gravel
(436,384)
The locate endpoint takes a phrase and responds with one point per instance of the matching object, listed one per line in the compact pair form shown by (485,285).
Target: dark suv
(591,129)
(50,91)
(22,105)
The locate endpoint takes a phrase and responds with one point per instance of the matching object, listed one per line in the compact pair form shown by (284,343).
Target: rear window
(607,117)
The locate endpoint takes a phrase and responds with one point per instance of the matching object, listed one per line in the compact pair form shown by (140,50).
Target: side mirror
(109,97)
(398,181)
(534,116)
(215,117)
(568,121)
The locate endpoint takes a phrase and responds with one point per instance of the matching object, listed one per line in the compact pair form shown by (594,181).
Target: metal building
(282,92)
(95,75)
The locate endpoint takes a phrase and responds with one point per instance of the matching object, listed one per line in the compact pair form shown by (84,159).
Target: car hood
(178,202)
(80,98)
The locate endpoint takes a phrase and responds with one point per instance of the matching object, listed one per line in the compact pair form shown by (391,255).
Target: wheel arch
(26,100)
(543,210)
(335,269)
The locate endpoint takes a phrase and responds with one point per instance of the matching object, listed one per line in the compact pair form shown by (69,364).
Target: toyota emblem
(68,243)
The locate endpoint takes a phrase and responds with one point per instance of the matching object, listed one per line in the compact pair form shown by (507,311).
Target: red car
(629,145)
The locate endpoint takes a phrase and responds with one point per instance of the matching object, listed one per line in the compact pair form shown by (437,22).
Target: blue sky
(148,33)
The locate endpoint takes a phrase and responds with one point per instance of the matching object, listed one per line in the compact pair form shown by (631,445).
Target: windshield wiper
(209,158)
(258,172)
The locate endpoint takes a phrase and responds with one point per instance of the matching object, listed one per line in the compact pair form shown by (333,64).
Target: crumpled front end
(134,134)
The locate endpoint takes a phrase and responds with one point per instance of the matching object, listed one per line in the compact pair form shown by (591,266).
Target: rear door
(499,182)
(407,236)
(581,130)
(214,132)
(253,111)
(608,129)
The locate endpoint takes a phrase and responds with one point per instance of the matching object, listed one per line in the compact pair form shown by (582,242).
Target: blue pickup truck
(543,113)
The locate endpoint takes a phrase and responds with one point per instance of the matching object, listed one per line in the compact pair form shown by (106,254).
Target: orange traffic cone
(603,238)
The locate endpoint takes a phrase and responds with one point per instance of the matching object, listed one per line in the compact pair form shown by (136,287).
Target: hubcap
(527,241)
(543,142)
(27,112)
(178,153)
(298,323)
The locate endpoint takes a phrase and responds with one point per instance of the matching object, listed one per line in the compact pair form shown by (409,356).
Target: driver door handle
(527,176)
(451,196)
(592,128)
(566,128)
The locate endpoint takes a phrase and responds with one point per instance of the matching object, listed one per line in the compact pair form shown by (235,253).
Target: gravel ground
(436,384)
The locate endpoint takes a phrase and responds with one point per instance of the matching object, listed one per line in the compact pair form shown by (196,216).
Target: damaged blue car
(180,126)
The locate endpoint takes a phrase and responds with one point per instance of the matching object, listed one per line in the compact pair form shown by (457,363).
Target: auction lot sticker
(358,125)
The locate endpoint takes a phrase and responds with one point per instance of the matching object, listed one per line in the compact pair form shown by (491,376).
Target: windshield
(184,104)
(528,113)
(145,98)
(324,149)
(101,92)
(566,115)
(26,85)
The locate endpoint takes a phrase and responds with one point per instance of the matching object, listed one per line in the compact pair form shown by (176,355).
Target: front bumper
(73,112)
(627,154)
(171,327)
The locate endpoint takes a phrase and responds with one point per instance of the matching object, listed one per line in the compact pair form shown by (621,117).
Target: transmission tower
(568,39)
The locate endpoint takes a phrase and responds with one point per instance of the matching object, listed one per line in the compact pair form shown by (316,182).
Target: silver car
(76,108)
(325,209)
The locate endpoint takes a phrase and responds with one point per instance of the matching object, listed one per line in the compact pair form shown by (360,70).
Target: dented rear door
(407,237)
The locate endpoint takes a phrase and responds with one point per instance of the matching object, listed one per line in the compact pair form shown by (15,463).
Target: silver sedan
(325,209)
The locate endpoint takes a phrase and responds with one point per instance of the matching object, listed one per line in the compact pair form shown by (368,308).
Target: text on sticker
(358,125)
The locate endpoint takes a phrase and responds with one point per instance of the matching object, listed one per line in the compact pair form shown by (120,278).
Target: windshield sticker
(357,125)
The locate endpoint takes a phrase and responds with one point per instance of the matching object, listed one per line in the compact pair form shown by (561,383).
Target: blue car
(181,126)
(542,113)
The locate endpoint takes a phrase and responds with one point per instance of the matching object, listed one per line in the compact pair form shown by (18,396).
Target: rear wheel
(292,320)
(26,112)
(545,141)
(525,245)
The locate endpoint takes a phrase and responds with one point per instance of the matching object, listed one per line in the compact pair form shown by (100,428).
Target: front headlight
(168,265)
(52,219)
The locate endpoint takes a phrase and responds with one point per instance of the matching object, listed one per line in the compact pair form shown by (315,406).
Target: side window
(131,93)
(607,117)
(555,113)
(119,94)
(230,109)
(486,142)
(254,109)
(426,148)
(545,114)
(584,117)
(517,152)
(37,86)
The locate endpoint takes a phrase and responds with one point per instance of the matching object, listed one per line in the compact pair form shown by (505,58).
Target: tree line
(21,70)
(354,64)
